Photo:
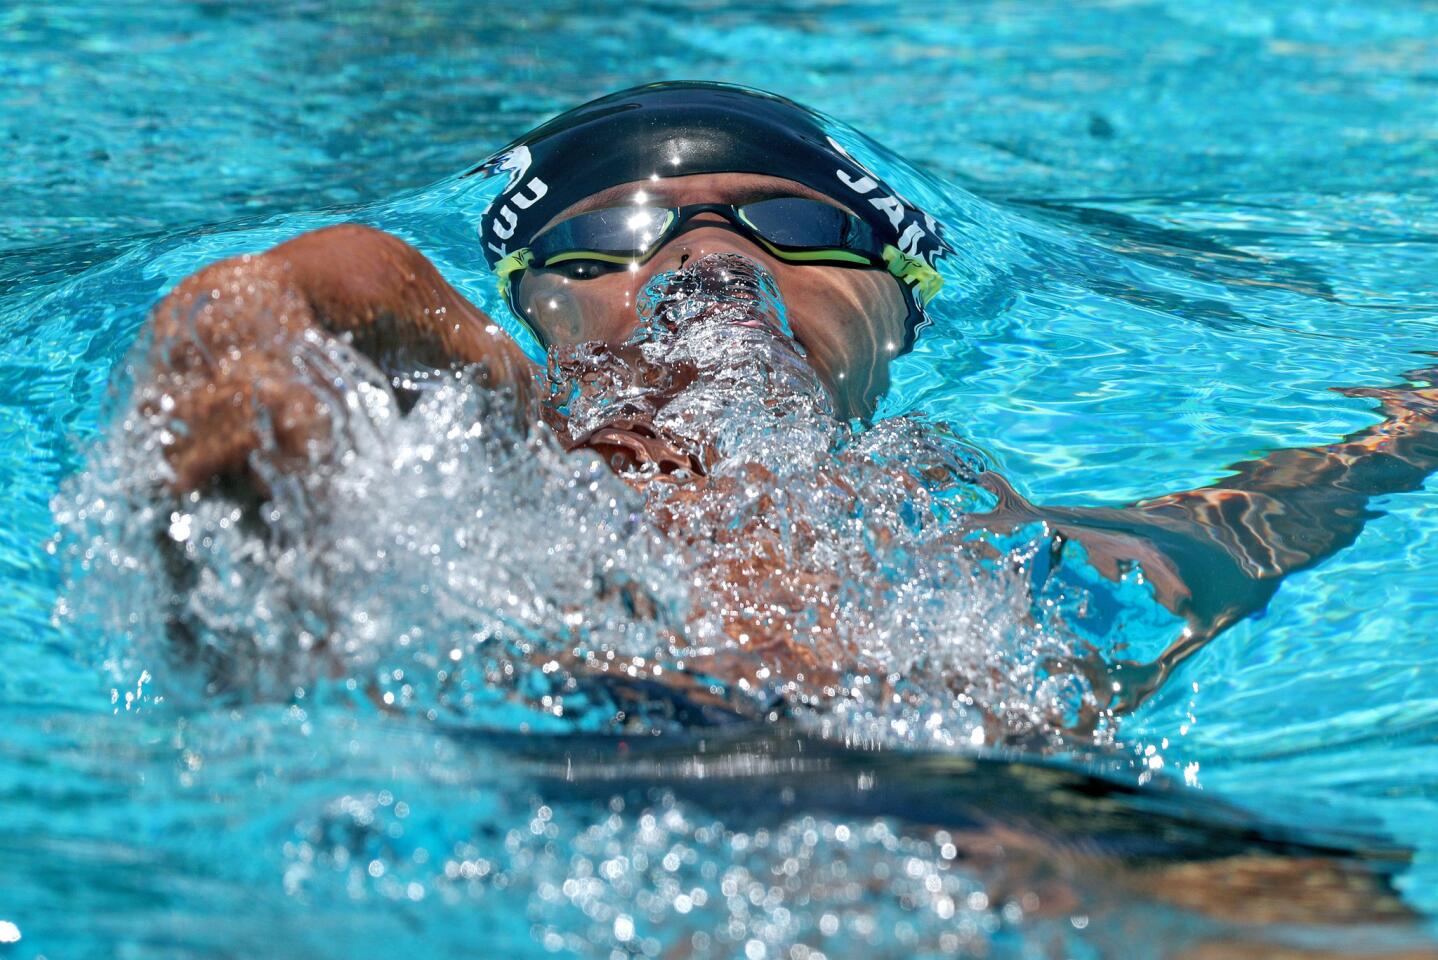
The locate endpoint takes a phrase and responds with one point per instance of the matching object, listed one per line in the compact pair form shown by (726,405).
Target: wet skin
(230,343)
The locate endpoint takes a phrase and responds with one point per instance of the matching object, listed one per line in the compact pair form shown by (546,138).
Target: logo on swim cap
(516,161)
(502,221)
(912,239)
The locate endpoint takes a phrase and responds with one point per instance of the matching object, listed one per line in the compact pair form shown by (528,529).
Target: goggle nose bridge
(683,217)
(727,212)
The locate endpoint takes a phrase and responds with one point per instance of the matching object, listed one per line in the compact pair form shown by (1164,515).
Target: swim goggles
(793,229)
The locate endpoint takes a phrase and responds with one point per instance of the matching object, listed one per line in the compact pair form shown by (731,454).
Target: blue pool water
(1179,226)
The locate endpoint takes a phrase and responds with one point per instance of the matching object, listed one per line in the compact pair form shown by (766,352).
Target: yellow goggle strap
(505,269)
(926,281)
(590,255)
(508,267)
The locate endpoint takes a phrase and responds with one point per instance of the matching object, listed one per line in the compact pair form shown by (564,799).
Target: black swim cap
(678,128)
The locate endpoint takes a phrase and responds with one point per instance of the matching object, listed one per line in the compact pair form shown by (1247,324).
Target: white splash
(457,566)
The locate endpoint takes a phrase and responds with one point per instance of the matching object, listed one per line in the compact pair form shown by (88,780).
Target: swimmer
(639,184)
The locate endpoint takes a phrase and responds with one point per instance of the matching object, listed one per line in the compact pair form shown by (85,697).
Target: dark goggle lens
(618,232)
(604,240)
(799,223)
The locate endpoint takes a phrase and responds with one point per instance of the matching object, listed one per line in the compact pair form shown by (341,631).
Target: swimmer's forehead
(733,188)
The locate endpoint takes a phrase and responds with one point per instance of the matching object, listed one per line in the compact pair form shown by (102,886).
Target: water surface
(1178,228)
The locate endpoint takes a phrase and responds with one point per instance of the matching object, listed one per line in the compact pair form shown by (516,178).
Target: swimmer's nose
(701,239)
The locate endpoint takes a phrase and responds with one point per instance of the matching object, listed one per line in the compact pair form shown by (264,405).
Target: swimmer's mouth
(634,448)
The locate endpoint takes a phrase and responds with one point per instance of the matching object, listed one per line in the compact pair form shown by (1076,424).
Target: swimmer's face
(849,320)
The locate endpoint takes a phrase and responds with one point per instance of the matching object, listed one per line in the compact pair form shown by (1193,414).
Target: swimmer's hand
(227,377)
(241,377)
(1407,407)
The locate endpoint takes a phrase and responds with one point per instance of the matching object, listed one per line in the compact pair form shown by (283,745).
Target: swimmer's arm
(1217,554)
(228,344)
(394,305)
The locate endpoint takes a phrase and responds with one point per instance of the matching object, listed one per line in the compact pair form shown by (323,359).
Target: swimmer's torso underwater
(608,443)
